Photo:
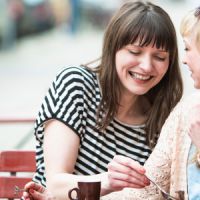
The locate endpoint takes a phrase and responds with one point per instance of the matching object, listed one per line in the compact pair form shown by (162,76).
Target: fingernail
(147,181)
(142,171)
(31,191)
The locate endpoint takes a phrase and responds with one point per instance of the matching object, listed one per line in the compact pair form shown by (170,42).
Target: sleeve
(63,101)
(158,165)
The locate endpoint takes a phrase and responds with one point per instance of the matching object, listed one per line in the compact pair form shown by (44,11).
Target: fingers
(130,163)
(34,195)
(125,172)
(121,180)
(37,195)
(34,186)
(34,191)
(117,185)
(26,195)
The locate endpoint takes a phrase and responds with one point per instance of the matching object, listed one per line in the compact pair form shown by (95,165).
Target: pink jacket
(167,165)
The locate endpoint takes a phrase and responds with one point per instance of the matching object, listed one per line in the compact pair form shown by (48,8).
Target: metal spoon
(17,189)
(165,194)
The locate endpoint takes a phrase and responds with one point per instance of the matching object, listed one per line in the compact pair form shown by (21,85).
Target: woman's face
(192,58)
(140,68)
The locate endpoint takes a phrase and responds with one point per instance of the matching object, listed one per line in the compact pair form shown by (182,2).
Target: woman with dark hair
(91,114)
(174,164)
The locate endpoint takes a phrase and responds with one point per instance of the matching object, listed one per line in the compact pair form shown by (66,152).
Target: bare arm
(61,147)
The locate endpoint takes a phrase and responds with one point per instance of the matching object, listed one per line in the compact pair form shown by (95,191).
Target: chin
(141,92)
(197,86)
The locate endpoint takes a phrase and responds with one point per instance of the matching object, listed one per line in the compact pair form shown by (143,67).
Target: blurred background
(40,37)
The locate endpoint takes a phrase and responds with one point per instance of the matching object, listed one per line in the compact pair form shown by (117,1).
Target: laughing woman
(89,115)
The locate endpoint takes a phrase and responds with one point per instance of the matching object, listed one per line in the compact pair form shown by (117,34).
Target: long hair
(146,22)
(190,24)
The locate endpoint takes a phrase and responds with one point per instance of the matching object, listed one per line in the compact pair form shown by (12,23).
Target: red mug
(86,191)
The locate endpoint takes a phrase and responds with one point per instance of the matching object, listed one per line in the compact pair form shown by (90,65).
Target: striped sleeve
(63,101)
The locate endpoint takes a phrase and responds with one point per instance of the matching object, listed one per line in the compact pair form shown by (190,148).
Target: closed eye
(134,52)
(160,58)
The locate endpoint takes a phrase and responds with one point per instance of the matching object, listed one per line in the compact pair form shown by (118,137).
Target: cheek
(197,82)
(118,64)
(119,60)
(197,71)
(191,60)
(197,61)
(164,69)
(161,73)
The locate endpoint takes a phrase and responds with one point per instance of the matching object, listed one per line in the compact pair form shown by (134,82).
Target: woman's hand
(36,191)
(125,172)
(194,125)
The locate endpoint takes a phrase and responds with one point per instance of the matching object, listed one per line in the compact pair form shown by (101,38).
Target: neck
(133,110)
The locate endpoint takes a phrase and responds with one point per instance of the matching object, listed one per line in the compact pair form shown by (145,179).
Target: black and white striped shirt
(73,99)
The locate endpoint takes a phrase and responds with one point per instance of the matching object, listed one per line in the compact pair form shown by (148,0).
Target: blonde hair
(190,24)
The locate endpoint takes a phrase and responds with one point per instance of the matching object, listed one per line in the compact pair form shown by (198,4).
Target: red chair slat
(17,161)
(7,186)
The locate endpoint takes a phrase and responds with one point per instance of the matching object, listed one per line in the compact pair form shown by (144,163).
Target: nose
(147,64)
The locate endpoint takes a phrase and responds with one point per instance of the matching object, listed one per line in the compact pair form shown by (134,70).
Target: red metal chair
(14,166)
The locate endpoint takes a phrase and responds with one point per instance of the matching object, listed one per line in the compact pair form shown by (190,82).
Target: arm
(61,147)
(60,153)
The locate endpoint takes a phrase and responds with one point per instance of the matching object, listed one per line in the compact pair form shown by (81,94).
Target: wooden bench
(16,169)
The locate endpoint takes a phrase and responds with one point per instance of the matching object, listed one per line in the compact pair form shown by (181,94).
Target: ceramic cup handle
(77,193)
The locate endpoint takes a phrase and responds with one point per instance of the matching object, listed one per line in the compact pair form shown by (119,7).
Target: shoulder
(188,102)
(73,75)
(76,71)
(191,100)
(179,117)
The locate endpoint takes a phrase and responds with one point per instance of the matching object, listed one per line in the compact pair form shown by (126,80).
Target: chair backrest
(14,166)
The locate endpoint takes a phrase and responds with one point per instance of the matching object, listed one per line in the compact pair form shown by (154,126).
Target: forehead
(190,42)
(151,39)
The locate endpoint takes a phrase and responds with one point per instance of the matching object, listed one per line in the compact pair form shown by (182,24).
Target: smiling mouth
(139,76)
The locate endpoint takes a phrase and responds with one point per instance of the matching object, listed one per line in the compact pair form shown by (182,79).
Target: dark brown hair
(149,23)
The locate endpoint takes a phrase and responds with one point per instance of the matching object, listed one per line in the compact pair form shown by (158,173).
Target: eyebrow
(137,45)
(165,51)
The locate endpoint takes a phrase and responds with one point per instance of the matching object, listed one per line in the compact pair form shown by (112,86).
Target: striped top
(73,99)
